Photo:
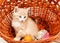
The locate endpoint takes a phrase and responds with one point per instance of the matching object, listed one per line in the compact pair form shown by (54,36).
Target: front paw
(16,39)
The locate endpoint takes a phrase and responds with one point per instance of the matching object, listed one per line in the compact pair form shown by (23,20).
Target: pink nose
(22,21)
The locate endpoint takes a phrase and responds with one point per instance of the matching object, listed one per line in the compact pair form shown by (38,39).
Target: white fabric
(2,40)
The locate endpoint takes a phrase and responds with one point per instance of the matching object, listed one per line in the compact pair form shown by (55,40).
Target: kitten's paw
(16,39)
(22,33)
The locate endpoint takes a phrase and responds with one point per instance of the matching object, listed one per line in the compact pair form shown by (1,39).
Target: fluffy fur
(22,24)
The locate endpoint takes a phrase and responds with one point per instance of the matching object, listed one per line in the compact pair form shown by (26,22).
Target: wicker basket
(45,13)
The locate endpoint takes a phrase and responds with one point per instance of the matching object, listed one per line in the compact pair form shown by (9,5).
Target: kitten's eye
(19,16)
(24,16)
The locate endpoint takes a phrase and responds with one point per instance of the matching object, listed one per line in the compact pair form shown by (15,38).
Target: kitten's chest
(23,25)
(19,25)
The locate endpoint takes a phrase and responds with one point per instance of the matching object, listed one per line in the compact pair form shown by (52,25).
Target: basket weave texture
(44,13)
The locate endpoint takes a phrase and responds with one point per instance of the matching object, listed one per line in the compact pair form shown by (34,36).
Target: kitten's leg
(19,35)
(33,37)
(17,38)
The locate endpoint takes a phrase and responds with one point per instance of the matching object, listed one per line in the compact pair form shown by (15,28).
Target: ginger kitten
(22,24)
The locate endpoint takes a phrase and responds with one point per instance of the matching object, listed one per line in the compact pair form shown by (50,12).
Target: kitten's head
(20,14)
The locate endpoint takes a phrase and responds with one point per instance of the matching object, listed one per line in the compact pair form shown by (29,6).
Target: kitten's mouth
(22,21)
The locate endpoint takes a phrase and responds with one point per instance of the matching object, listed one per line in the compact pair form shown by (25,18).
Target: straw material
(45,13)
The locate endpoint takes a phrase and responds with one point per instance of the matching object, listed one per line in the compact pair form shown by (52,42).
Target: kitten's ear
(28,9)
(15,9)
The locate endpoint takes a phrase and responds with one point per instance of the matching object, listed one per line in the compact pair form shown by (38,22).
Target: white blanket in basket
(2,40)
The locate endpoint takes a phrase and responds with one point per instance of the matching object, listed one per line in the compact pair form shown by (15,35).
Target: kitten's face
(20,14)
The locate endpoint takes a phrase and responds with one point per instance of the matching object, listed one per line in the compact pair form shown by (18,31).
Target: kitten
(22,24)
